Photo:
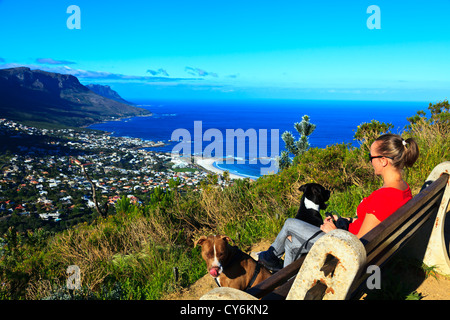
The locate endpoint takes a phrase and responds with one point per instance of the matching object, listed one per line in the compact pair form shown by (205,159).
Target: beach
(208,164)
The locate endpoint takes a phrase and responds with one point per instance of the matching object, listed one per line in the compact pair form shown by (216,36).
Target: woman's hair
(403,152)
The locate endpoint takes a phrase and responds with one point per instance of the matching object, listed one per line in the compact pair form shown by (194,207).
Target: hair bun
(404,152)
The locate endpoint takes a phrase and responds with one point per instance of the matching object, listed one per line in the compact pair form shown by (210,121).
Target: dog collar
(311,205)
(255,274)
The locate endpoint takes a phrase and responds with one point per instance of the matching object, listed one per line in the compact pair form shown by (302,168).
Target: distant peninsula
(107,92)
(46,98)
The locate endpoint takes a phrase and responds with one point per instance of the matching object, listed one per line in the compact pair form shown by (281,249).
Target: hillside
(51,98)
(146,251)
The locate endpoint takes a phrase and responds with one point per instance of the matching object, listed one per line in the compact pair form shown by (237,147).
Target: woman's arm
(370,222)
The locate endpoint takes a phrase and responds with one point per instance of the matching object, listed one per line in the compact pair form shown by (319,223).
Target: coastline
(86,126)
(208,164)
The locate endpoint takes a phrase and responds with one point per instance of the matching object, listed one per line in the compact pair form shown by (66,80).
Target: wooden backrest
(278,279)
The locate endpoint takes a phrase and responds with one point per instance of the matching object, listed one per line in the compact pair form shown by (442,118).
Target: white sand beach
(207,163)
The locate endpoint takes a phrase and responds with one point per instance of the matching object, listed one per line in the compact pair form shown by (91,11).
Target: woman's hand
(328,225)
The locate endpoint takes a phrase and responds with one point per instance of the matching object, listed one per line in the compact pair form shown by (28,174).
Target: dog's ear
(200,241)
(227,238)
(303,187)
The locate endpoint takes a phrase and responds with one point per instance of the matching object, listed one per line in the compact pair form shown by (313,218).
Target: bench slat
(277,279)
(405,238)
(419,217)
(281,292)
(388,252)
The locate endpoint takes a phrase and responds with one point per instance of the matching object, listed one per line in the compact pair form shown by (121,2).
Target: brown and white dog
(229,266)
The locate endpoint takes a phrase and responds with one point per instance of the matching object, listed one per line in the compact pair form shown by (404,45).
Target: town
(42,181)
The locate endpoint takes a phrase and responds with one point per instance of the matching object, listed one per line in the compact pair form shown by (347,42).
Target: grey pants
(300,232)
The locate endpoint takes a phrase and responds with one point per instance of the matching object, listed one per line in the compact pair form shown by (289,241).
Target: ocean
(336,122)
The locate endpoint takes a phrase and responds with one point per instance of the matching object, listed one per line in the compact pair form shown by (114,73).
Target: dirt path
(435,289)
(430,289)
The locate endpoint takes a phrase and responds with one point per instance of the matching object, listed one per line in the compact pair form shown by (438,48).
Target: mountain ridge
(55,98)
(107,92)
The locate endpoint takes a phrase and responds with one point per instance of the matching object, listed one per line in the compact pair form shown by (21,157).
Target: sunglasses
(375,157)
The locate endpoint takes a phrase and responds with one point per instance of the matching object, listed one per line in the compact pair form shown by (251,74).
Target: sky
(245,49)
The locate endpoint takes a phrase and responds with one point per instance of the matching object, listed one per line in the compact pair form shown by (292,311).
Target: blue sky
(237,49)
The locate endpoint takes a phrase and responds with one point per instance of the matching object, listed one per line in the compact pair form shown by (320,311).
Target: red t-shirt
(381,203)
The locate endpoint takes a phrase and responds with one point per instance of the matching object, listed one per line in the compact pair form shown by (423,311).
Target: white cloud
(53,61)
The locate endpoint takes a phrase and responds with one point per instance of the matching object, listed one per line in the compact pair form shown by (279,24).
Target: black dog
(313,199)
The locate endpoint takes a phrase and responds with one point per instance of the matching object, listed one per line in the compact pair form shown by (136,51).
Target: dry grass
(92,247)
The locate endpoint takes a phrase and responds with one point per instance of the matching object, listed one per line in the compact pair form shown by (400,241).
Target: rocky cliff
(39,96)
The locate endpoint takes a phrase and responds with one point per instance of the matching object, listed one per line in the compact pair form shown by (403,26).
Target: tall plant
(296,148)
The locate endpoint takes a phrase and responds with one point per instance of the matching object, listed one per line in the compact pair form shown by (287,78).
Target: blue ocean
(336,122)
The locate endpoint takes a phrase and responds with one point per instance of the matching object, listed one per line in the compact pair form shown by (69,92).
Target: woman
(389,154)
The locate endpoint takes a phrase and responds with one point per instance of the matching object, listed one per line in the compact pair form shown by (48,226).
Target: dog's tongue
(214,272)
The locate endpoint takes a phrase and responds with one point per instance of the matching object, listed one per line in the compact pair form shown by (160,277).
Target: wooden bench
(336,266)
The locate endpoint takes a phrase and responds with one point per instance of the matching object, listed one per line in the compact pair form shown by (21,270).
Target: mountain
(52,98)
(107,92)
